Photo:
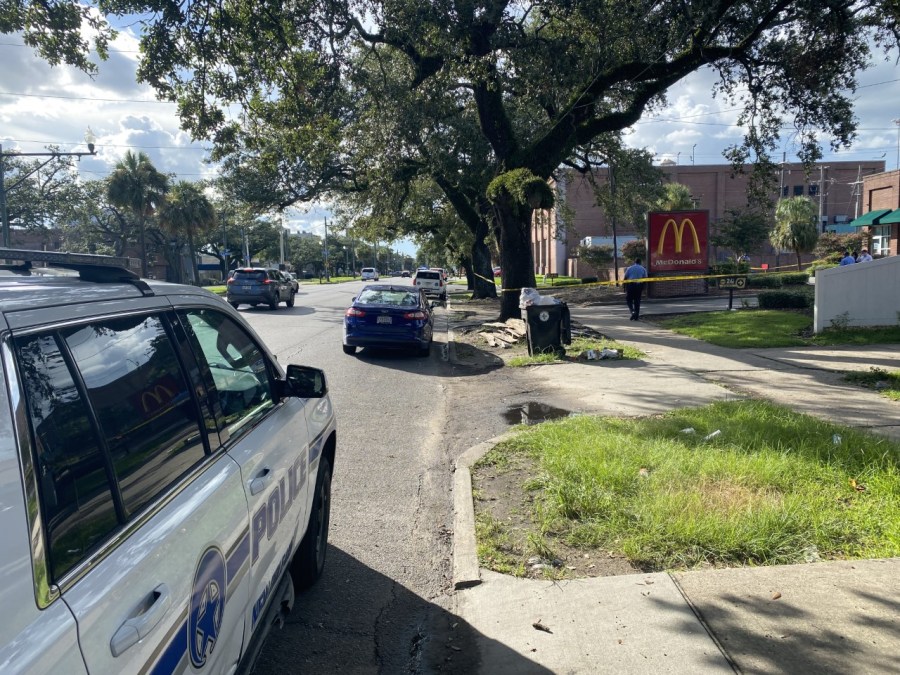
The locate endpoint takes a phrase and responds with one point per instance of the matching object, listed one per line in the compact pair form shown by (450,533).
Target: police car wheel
(309,560)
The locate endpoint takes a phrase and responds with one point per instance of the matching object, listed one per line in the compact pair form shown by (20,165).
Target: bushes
(821,265)
(785,299)
(764,281)
(730,267)
(795,278)
(589,280)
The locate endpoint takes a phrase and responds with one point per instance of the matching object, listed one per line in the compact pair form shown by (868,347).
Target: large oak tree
(502,92)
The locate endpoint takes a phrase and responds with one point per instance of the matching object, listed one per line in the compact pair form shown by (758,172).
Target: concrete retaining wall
(866,292)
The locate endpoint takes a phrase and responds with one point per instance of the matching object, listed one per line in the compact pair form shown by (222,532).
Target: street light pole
(4,215)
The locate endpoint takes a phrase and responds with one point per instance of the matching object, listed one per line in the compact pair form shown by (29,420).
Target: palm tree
(677,198)
(187,212)
(136,184)
(795,226)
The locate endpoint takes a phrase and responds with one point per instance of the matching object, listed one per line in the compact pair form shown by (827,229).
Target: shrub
(764,281)
(568,282)
(783,299)
(795,278)
(730,267)
(831,245)
(634,249)
(589,280)
(821,265)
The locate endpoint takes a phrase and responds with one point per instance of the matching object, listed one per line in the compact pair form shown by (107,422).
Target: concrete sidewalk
(830,617)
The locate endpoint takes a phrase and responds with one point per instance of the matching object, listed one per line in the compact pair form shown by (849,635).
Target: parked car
(432,282)
(442,271)
(258,286)
(165,484)
(496,271)
(369,274)
(405,274)
(293,279)
(389,316)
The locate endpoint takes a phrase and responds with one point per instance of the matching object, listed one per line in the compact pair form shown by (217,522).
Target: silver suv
(164,484)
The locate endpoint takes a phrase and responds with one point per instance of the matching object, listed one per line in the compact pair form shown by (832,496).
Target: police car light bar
(68,260)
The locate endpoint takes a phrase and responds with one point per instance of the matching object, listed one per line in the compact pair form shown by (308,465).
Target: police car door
(147,526)
(267,438)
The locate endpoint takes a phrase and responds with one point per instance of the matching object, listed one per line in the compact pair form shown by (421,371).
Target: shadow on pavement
(356,620)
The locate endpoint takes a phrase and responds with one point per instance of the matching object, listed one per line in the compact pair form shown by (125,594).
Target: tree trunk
(516,259)
(482,279)
(799,268)
(143,247)
(195,273)
(465,261)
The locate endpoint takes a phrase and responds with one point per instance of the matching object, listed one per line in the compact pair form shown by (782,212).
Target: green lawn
(772,487)
(579,345)
(771,328)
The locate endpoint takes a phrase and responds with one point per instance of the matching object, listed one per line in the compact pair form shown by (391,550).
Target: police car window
(142,400)
(239,369)
(73,487)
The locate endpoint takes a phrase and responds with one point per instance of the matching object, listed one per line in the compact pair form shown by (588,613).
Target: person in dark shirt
(634,288)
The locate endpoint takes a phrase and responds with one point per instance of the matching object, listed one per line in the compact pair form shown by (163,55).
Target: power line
(114,145)
(86,98)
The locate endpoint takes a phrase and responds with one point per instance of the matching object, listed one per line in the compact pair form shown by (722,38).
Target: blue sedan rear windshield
(387,297)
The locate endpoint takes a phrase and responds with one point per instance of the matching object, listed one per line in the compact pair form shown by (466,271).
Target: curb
(466,572)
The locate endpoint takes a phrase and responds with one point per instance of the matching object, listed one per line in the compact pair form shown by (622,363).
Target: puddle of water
(533,413)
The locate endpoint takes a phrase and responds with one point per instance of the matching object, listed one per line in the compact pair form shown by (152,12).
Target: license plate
(245,288)
(385,319)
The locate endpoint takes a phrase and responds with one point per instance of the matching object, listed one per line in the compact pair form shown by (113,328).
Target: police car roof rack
(90,267)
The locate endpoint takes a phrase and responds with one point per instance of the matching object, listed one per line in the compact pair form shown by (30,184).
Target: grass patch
(857,336)
(887,382)
(579,345)
(772,328)
(744,328)
(495,548)
(772,488)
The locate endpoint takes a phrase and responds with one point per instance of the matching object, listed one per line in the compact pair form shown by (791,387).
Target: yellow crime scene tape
(635,281)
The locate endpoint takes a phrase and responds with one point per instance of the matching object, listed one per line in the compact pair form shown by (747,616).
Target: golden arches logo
(156,395)
(678,233)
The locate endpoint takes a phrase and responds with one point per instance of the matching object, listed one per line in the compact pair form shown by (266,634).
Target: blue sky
(41,105)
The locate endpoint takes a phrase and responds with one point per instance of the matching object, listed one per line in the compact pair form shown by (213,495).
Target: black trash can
(548,328)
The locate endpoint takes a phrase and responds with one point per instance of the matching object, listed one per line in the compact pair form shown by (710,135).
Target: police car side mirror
(305,382)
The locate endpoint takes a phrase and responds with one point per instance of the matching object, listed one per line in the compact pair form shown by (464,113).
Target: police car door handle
(263,478)
(136,628)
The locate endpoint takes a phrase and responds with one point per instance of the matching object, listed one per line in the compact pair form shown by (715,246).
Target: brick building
(880,217)
(837,187)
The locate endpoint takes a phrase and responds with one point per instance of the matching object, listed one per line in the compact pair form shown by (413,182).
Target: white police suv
(164,483)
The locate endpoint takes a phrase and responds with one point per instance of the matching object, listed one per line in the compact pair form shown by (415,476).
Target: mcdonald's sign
(678,240)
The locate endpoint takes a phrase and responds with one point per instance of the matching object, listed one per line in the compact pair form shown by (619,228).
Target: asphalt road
(382,604)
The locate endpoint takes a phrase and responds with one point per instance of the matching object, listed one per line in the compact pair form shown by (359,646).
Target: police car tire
(290,301)
(309,560)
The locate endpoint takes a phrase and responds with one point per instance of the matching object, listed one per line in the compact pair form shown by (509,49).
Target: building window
(798,190)
(813,190)
(881,240)
(784,190)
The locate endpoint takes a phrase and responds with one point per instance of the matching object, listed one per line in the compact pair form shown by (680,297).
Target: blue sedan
(383,315)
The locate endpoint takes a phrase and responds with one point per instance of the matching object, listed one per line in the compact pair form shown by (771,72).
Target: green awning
(870,218)
(890,219)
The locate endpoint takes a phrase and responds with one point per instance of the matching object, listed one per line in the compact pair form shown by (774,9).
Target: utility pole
(327,275)
(89,139)
(281,240)
(857,192)
(822,196)
(897,122)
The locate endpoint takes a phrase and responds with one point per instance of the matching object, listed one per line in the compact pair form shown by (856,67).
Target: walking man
(634,288)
